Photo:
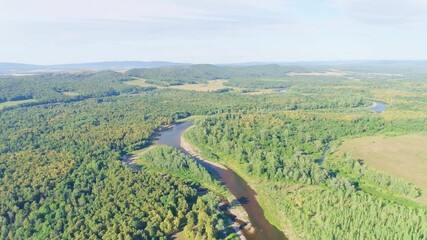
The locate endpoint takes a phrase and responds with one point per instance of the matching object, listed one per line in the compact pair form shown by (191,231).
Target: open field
(212,85)
(15,103)
(402,156)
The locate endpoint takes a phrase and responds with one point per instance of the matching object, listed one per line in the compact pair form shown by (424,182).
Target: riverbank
(237,217)
(129,159)
(242,219)
(256,199)
(242,205)
(280,221)
(246,196)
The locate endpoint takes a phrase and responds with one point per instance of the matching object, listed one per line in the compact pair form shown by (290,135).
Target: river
(262,229)
(322,158)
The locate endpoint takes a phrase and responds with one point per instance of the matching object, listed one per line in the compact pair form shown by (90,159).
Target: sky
(211,31)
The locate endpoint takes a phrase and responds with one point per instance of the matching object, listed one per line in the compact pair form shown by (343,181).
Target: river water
(237,186)
(322,158)
(378,107)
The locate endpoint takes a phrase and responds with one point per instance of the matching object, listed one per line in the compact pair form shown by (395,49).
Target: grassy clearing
(402,156)
(71,94)
(15,103)
(212,85)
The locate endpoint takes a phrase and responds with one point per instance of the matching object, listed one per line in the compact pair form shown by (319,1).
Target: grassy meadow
(402,156)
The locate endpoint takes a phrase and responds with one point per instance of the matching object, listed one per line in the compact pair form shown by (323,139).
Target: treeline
(298,83)
(179,75)
(51,87)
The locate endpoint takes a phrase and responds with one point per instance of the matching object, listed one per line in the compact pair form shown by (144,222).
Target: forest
(283,150)
(61,176)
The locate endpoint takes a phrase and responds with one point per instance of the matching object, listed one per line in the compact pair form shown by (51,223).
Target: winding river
(262,229)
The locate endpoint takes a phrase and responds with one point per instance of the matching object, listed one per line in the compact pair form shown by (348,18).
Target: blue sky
(211,31)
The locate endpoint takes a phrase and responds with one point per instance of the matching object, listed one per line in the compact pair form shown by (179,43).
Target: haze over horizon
(53,32)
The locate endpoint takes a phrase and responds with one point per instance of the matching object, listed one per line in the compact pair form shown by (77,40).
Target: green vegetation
(62,87)
(15,103)
(61,175)
(205,219)
(283,149)
(169,160)
(72,94)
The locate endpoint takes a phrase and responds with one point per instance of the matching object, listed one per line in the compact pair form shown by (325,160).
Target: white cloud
(55,10)
(385,12)
(56,31)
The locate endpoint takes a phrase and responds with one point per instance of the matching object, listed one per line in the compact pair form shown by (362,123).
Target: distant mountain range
(10,68)
(19,68)
(333,63)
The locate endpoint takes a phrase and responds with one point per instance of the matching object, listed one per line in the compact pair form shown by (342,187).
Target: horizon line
(218,63)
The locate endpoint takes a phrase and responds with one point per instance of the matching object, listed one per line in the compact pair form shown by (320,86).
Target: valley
(283,152)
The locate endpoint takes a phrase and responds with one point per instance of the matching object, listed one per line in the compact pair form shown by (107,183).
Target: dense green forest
(284,150)
(206,218)
(61,175)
